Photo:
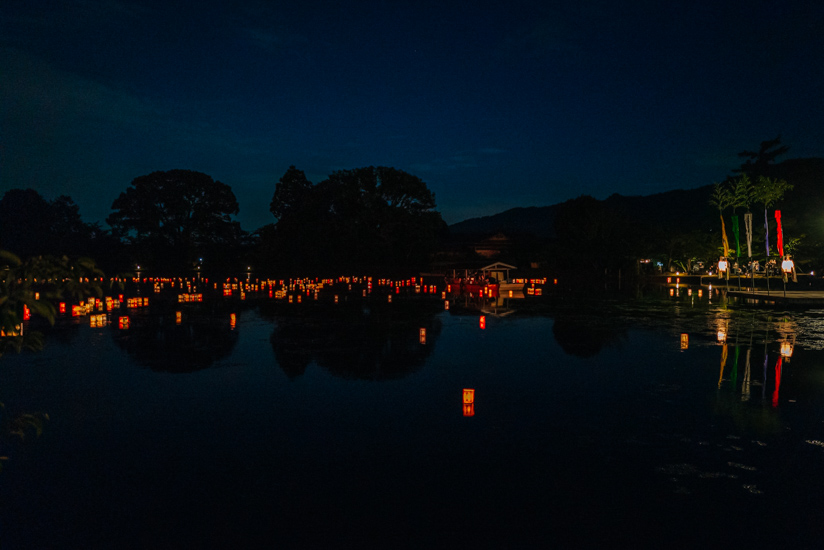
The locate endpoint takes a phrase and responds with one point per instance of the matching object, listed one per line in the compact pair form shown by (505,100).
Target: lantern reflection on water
(178,317)
(422,336)
(786,349)
(232,321)
(685,341)
(123,323)
(483,322)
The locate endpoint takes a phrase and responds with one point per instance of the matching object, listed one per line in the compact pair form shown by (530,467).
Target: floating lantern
(510,294)
(787,265)
(700,292)
(446,305)
(62,307)
(36,295)
(689,292)
(685,341)
(672,292)
(232,321)
(669,280)
(336,298)
(26,313)
(468,395)
(389,298)
(722,265)
(422,336)
(300,298)
(786,349)
(555,281)
(483,322)
(468,402)
(178,317)
(722,336)
(123,323)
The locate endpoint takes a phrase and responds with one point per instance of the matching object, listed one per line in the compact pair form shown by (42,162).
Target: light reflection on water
(589,425)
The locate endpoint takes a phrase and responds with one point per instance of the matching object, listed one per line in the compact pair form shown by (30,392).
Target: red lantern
(62,307)
(483,322)
(123,323)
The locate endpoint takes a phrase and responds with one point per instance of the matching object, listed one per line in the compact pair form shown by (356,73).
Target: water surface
(304,424)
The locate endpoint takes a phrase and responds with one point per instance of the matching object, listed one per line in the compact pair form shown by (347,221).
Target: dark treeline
(383,219)
(180,221)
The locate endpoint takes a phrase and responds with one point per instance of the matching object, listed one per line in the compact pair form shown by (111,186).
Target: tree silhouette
(177,216)
(360,218)
(759,162)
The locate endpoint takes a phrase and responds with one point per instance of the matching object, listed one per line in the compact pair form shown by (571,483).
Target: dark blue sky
(494,105)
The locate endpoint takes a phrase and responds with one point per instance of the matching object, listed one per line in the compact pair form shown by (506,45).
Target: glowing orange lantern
(26,313)
(685,341)
(483,322)
(123,323)
(422,336)
(389,298)
(446,304)
(178,317)
(62,307)
(469,409)
(468,395)
(232,320)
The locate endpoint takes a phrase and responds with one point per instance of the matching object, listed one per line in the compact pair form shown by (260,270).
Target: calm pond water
(305,424)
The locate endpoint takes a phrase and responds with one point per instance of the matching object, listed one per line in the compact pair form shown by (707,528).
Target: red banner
(780,233)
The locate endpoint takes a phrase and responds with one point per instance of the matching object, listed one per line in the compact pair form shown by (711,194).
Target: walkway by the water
(779,296)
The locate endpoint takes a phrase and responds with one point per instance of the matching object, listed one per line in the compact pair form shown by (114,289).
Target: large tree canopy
(176,216)
(360,218)
(31,225)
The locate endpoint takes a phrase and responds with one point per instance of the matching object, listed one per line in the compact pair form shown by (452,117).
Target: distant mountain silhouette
(668,210)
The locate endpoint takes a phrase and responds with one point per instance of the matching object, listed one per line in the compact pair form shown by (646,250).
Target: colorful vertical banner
(724,239)
(780,232)
(736,233)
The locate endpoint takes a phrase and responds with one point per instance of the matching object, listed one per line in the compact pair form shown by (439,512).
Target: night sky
(494,105)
